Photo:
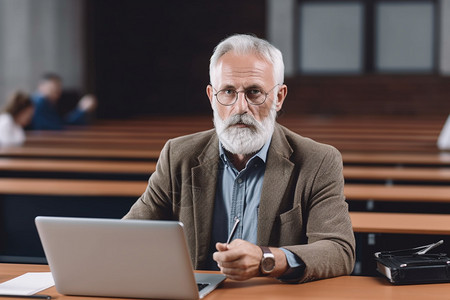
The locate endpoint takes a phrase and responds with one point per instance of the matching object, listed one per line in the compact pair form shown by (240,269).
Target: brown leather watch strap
(265,249)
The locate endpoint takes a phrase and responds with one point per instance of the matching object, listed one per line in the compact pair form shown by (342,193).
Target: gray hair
(245,44)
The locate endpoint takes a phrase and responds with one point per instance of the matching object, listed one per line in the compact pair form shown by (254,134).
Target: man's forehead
(252,68)
(239,61)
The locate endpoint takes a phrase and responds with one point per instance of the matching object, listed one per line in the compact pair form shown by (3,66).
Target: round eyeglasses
(253,95)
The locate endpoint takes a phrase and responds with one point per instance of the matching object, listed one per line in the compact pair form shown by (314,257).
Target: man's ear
(281,95)
(210,93)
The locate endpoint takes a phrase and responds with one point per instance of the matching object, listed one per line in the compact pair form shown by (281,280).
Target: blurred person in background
(45,99)
(16,115)
(443,142)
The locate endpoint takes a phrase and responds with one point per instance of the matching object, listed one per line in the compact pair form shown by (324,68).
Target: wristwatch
(267,261)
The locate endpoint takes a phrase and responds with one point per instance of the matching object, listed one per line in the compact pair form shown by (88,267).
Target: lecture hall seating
(386,159)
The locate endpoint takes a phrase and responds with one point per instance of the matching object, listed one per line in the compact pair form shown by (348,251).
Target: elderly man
(283,193)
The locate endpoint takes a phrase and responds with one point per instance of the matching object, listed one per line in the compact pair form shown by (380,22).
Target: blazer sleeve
(155,202)
(330,250)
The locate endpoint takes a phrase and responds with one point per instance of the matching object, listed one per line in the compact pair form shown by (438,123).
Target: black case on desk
(402,268)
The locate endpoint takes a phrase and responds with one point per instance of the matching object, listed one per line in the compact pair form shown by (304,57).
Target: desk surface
(345,287)
(403,223)
(70,187)
(440,159)
(79,166)
(72,152)
(404,193)
(435,174)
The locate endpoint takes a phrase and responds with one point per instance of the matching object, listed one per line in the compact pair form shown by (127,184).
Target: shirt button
(239,180)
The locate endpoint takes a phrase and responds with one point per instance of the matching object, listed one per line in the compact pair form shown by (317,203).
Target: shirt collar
(262,153)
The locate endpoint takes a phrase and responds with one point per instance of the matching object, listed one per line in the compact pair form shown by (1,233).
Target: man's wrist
(281,265)
(296,268)
(267,264)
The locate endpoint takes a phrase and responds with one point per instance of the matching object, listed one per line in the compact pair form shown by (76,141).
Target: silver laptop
(121,258)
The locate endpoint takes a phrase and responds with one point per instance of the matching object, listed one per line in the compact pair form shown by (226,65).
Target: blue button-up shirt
(238,195)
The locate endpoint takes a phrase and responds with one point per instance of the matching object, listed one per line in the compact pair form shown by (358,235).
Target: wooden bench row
(77,166)
(107,152)
(365,222)
(380,133)
(411,174)
(133,147)
(297,121)
(398,159)
(400,193)
(362,140)
(80,152)
(148,167)
(76,187)
(400,223)
(164,131)
(164,134)
(344,142)
(70,187)
(157,144)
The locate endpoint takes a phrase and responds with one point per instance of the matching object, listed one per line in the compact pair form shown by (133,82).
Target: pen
(233,230)
(26,296)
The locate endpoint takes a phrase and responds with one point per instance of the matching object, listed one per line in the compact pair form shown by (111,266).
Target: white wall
(331,37)
(444,61)
(37,37)
(281,30)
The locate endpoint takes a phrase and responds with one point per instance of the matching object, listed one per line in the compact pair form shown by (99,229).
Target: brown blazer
(302,206)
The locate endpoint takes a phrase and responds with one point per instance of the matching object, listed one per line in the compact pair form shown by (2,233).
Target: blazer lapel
(204,181)
(276,181)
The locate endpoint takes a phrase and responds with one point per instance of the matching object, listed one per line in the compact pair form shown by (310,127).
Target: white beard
(244,140)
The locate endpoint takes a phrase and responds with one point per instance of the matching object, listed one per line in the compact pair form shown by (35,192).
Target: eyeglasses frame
(245,96)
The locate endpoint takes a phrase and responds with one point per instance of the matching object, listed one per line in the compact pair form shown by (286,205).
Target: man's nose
(241,103)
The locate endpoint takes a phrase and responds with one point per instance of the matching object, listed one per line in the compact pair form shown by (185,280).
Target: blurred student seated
(17,114)
(444,137)
(45,99)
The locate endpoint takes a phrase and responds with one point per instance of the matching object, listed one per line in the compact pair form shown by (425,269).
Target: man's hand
(238,260)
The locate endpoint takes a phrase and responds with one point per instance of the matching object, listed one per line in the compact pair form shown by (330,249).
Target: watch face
(268,264)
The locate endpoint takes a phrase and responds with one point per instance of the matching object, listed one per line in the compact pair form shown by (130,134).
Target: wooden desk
(403,193)
(76,187)
(442,159)
(87,142)
(158,143)
(368,143)
(370,146)
(362,221)
(164,131)
(340,288)
(71,152)
(401,223)
(71,187)
(77,166)
(394,173)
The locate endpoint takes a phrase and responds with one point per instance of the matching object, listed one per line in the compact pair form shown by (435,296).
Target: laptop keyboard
(201,286)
